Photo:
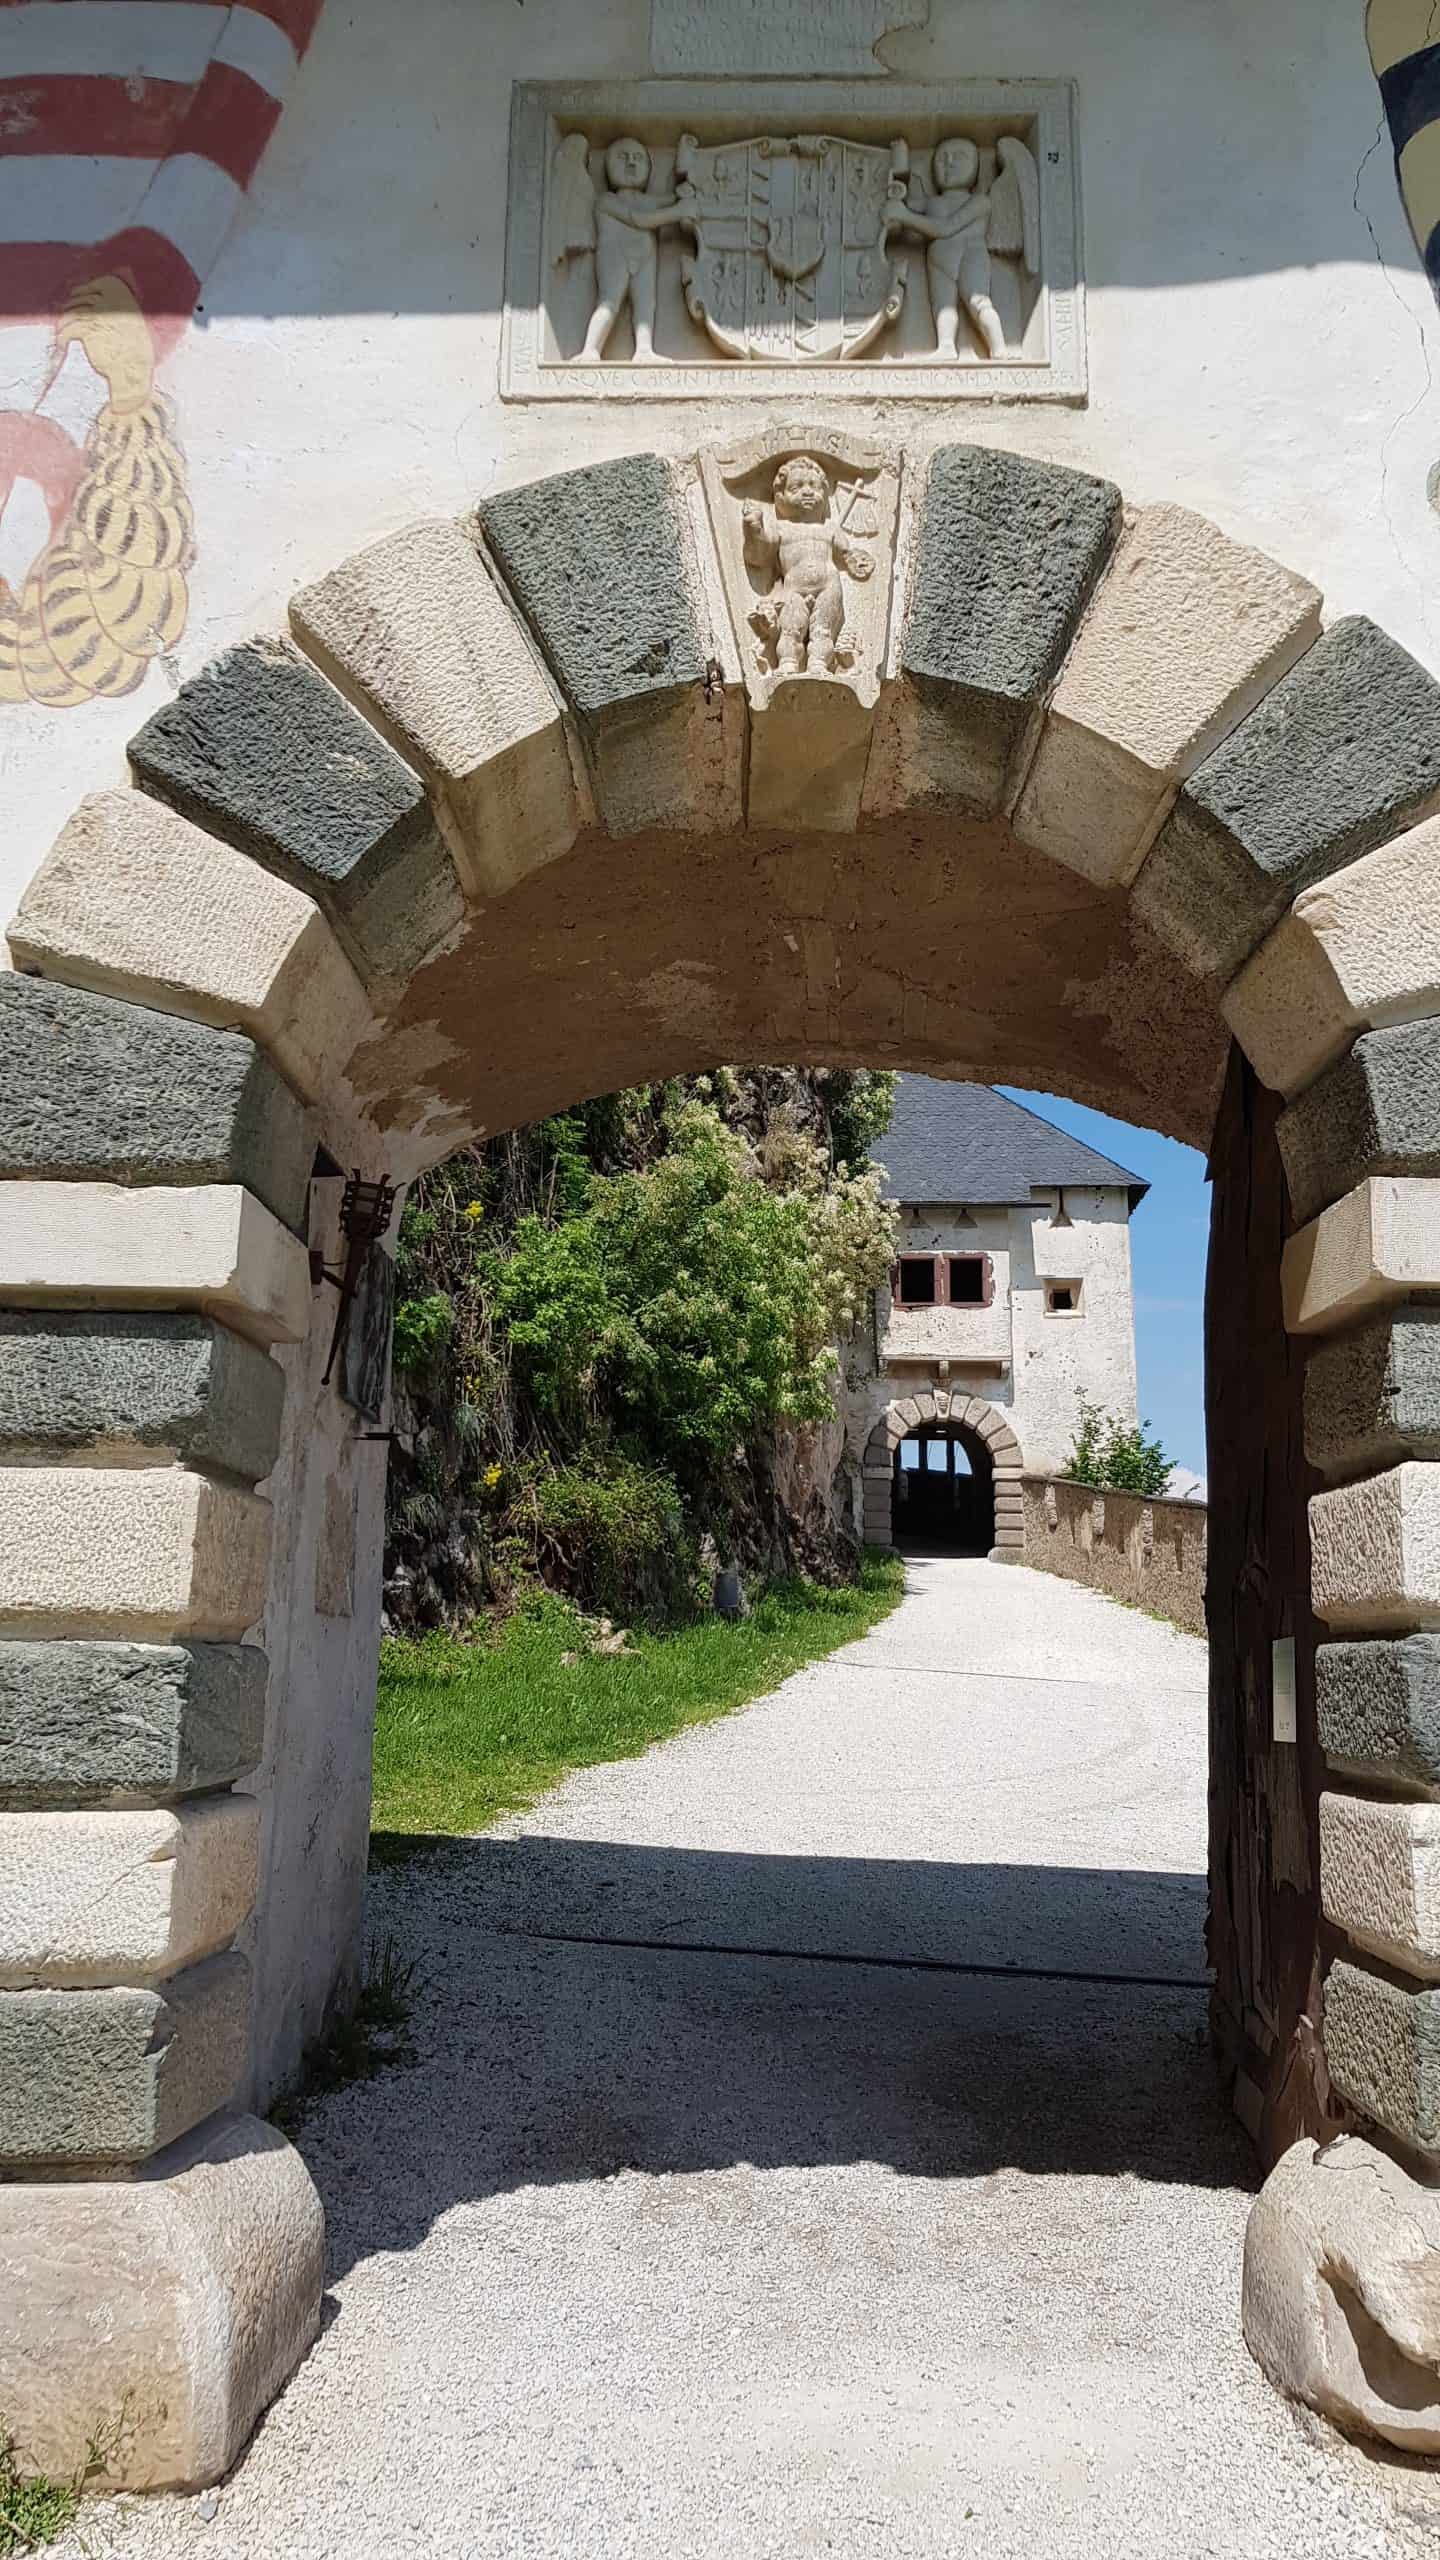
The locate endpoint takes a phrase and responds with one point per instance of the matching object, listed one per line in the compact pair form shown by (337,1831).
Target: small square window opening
(1062,1297)
(916,1283)
(967,1280)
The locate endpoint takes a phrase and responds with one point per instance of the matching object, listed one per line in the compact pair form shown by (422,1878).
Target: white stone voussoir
(1380,1877)
(100,1897)
(416,634)
(103,1244)
(134,901)
(1375,1550)
(1340,2304)
(1184,635)
(1380,1244)
(1356,951)
(177,2301)
(149,1552)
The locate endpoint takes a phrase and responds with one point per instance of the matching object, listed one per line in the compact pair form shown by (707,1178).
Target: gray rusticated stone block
(595,560)
(1382,2046)
(112,2076)
(143,1379)
(1377,1110)
(263,752)
(1341,755)
(1378,1708)
(106,1723)
(92,1089)
(1373,1397)
(1007,555)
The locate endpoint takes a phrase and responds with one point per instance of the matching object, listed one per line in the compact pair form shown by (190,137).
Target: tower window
(967,1280)
(1062,1297)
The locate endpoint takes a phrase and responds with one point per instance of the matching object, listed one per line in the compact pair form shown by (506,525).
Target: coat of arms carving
(665,239)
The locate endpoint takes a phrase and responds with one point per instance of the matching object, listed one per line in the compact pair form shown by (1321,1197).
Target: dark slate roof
(964,1142)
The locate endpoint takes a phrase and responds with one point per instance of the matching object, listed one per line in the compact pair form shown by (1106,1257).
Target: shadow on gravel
(586,2008)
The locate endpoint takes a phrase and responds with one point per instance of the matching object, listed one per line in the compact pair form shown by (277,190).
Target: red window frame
(940,1263)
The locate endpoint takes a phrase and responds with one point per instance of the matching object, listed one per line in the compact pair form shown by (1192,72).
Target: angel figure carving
(800,544)
(964,224)
(617,223)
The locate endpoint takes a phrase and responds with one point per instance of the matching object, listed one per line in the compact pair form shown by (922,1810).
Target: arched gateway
(511,819)
(932,1408)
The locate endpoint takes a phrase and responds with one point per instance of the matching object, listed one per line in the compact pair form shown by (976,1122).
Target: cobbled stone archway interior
(515,813)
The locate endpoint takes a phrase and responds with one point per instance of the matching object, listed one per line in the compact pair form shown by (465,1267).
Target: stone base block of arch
(475,839)
(169,2306)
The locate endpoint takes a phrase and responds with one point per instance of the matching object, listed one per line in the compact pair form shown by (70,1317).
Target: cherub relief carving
(803,546)
(964,223)
(618,223)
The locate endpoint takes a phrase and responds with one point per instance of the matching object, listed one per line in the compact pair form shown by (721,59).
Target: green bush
(1115,1456)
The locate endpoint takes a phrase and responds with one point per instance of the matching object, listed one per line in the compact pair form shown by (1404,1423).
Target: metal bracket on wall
(366,1209)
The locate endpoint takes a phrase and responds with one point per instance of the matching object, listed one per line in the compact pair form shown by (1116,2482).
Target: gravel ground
(667,2248)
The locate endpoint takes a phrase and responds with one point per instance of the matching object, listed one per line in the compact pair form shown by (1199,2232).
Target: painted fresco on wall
(129,132)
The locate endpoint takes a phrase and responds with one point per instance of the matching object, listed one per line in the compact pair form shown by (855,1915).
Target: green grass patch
(465,1732)
(35,2510)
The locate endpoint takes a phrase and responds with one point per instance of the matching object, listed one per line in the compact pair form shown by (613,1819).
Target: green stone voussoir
(1382,2047)
(597,563)
(1007,555)
(95,1090)
(1372,1398)
(1342,754)
(137,1380)
(112,2076)
(1378,1709)
(262,751)
(1376,1111)
(92,1723)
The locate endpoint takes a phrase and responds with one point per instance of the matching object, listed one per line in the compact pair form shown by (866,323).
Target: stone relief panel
(805,527)
(722,238)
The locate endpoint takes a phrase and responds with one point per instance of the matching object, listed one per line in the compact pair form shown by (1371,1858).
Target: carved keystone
(1376,1112)
(110,2076)
(1007,554)
(1343,753)
(92,1087)
(260,749)
(597,562)
(805,533)
(116,1384)
(416,633)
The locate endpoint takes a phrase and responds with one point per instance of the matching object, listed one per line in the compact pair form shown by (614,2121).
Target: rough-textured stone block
(1382,2046)
(83,1243)
(145,1552)
(261,750)
(1340,2304)
(1377,1111)
(185,2295)
(141,1380)
(133,901)
(1375,1550)
(1007,553)
(92,1088)
(596,560)
(1380,1878)
(92,1896)
(1373,1397)
(1377,1245)
(416,632)
(106,1722)
(111,2076)
(1361,948)
(1343,753)
(1378,1709)
(1186,632)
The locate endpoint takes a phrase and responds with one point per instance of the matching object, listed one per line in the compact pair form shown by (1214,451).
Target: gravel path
(672,2249)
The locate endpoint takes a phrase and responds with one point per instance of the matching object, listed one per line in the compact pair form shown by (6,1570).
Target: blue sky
(1168,1236)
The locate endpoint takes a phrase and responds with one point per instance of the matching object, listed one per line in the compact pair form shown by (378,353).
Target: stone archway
(507,820)
(960,1412)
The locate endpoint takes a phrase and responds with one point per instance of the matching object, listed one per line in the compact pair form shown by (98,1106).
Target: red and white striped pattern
(129,132)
